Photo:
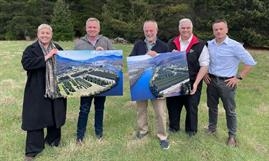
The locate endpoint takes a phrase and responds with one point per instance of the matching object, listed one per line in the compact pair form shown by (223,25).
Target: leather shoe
(28,158)
(140,136)
(191,133)
(79,142)
(210,131)
(231,141)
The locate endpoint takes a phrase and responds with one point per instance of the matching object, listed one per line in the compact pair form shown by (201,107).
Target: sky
(87,54)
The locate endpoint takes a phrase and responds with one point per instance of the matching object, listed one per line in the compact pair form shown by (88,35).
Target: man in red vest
(198,61)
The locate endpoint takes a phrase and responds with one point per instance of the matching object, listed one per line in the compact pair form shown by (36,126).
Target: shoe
(231,141)
(79,142)
(164,144)
(171,130)
(191,133)
(210,131)
(99,137)
(140,136)
(28,158)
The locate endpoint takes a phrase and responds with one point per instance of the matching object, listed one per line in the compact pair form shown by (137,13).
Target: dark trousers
(215,90)
(175,105)
(85,106)
(35,140)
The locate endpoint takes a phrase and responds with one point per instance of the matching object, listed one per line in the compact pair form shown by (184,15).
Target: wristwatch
(238,76)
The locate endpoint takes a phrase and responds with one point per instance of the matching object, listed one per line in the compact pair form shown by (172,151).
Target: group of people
(216,62)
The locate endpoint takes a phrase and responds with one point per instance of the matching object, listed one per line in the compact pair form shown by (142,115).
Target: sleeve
(134,50)
(109,45)
(244,55)
(31,60)
(204,57)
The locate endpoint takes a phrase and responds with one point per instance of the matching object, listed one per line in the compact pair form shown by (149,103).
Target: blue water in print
(140,90)
(118,89)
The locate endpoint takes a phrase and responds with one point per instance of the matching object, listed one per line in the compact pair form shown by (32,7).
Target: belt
(217,77)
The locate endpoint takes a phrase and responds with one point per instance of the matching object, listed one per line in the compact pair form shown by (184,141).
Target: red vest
(194,40)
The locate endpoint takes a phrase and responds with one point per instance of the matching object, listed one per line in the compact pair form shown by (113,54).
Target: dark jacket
(193,54)
(39,112)
(140,47)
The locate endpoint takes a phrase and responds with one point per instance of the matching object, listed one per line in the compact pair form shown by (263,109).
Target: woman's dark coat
(39,112)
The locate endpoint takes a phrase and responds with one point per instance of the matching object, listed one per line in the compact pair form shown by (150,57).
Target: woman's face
(44,35)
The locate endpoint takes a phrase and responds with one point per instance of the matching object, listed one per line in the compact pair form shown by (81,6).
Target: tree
(81,10)
(61,22)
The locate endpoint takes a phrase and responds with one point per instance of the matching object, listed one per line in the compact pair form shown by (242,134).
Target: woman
(41,106)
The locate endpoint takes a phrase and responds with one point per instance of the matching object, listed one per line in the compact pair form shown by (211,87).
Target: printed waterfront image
(164,75)
(89,72)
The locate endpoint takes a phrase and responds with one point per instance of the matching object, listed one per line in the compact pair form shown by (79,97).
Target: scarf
(51,82)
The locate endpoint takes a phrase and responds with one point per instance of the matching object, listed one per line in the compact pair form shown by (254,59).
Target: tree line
(248,20)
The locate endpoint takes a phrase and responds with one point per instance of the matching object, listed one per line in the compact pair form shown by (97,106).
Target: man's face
(150,31)
(220,30)
(44,35)
(185,30)
(92,28)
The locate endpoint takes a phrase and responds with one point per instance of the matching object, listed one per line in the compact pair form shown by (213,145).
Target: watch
(239,77)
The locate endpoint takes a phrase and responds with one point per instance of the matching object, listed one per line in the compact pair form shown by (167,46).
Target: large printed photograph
(164,75)
(89,73)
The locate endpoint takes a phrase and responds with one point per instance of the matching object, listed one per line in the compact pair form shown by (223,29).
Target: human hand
(152,53)
(194,89)
(207,79)
(99,48)
(51,53)
(232,82)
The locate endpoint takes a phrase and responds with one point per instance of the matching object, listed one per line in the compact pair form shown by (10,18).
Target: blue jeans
(85,106)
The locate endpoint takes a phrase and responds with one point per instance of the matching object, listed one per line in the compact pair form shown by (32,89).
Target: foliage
(62,22)
(248,20)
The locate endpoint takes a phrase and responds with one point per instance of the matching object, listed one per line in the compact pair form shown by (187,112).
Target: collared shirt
(184,43)
(93,42)
(204,56)
(149,45)
(226,56)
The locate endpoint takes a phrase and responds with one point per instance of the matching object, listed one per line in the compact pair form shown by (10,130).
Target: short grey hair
(93,19)
(42,26)
(185,20)
(151,21)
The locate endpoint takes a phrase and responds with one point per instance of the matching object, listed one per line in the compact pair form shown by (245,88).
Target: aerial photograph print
(164,75)
(89,73)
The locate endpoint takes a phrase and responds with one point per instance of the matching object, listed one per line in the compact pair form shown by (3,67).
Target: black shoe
(140,136)
(210,131)
(99,137)
(171,130)
(191,133)
(164,144)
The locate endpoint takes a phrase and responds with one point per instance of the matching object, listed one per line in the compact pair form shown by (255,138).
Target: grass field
(120,122)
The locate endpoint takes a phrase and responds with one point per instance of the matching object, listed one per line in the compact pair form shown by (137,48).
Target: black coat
(39,112)
(140,47)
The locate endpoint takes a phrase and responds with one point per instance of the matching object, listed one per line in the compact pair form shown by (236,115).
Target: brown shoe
(27,158)
(231,141)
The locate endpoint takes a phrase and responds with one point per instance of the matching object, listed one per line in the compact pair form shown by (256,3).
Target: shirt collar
(226,41)
(185,41)
(150,45)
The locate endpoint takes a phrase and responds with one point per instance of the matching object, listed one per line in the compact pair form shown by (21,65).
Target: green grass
(120,122)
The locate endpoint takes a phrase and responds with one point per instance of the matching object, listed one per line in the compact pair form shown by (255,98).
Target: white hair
(185,20)
(93,19)
(153,22)
(42,26)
